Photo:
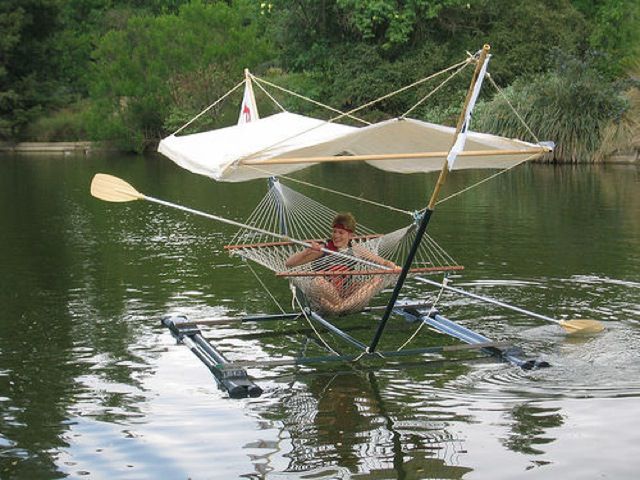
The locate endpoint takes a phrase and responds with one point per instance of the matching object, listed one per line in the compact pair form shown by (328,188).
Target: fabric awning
(286,142)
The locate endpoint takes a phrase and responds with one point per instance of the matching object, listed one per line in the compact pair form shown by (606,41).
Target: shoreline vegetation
(123,75)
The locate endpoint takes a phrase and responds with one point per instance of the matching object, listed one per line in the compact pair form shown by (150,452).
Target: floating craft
(286,224)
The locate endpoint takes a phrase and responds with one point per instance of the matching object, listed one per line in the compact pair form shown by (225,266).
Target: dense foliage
(131,71)
(159,70)
(553,105)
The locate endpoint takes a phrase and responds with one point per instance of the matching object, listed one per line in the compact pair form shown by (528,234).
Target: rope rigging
(453,71)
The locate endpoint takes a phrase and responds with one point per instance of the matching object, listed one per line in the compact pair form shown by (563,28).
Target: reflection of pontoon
(285,221)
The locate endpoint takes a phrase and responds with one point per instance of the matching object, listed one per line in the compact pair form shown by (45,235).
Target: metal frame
(233,378)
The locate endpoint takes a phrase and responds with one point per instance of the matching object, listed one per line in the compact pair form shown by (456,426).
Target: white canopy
(286,142)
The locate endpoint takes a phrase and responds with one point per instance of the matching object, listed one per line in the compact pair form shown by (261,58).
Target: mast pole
(249,85)
(430,207)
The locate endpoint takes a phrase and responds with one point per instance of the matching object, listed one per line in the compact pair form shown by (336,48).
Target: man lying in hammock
(330,291)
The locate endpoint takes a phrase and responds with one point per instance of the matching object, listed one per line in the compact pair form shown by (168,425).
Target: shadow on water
(91,385)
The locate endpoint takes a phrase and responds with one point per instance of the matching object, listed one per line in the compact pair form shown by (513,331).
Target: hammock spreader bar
(386,271)
(283,244)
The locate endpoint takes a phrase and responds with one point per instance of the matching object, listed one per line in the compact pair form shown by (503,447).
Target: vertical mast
(462,124)
(248,109)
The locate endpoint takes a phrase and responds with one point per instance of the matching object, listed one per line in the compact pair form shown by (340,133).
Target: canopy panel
(286,142)
(217,153)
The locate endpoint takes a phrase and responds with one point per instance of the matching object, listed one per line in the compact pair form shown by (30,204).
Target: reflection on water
(342,420)
(92,386)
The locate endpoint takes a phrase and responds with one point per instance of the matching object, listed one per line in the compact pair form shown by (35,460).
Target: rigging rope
(504,97)
(445,281)
(335,192)
(459,67)
(402,89)
(208,108)
(262,284)
(259,80)
(305,312)
(490,177)
(432,92)
(354,110)
(267,93)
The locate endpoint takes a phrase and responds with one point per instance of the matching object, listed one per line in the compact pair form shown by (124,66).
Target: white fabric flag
(248,109)
(458,146)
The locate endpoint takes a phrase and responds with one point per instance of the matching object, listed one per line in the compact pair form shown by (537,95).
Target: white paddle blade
(583,326)
(113,189)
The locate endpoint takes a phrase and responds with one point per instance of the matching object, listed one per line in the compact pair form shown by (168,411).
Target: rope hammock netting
(337,282)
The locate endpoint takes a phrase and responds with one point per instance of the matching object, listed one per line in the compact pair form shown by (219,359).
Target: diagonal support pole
(483,57)
(400,282)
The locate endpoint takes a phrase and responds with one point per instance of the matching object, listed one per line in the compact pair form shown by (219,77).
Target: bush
(65,125)
(572,106)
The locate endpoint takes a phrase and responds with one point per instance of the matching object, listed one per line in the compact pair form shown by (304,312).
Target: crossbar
(351,358)
(393,271)
(285,243)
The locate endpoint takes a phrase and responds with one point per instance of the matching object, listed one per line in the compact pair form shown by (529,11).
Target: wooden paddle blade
(113,189)
(582,326)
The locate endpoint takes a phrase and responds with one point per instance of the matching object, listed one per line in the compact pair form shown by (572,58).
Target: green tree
(613,33)
(27,69)
(393,23)
(169,67)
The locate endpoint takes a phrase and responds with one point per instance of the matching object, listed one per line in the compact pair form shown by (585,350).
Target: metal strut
(400,282)
(511,354)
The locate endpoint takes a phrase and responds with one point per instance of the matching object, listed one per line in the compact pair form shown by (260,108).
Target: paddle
(581,325)
(114,189)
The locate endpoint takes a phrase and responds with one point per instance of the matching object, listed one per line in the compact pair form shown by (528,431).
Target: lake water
(92,386)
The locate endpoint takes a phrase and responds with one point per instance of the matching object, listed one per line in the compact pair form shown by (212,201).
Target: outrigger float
(233,378)
(286,223)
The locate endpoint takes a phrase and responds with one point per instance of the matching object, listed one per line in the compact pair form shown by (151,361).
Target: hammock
(336,283)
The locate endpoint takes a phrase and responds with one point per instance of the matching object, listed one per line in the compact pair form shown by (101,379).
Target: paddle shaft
(489,300)
(258,230)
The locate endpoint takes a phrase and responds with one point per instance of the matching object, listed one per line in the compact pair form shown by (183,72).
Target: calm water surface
(91,386)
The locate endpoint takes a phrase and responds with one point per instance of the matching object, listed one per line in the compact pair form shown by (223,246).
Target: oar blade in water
(582,325)
(113,189)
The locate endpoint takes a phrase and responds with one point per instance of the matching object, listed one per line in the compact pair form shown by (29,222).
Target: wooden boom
(393,156)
